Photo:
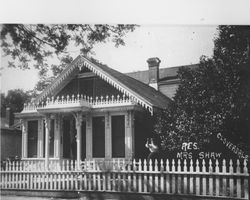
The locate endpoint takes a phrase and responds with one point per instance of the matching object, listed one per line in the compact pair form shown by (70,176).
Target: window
(32,138)
(83,140)
(118,136)
(98,127)
(66,138)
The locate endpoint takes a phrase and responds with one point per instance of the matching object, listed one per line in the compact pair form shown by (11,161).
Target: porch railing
(207,179)
(79,101)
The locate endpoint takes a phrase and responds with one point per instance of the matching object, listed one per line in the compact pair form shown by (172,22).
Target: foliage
(24,42)
(31,45)
(15,100)
(213,98)
(45,79)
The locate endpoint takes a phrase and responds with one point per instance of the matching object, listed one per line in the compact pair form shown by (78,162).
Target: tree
(213,98)
(31,45)
(38,42)
(14,100)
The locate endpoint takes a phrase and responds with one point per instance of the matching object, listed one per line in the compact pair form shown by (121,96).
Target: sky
(175,45)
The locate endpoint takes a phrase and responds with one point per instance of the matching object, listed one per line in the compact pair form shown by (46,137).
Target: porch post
(40,149)
(129,135)
(57,141)
(24,139)
(47,135)
(108,136)
(79,138)
(89,138)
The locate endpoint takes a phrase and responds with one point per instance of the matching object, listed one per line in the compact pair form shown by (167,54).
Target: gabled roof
(141,93)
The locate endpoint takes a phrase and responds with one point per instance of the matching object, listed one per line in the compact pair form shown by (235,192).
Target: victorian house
(91,111)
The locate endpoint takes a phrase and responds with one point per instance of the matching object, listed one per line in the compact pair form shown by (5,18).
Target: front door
(118,136)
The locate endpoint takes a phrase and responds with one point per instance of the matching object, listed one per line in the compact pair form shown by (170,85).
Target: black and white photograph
(101,109)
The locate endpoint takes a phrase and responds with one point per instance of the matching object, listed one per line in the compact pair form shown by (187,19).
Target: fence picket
(156,181)
(185,177)
(197,179)
(191,179)
(150,185)
(167,177)
(162,177)
(173,176)
(224,180)
(238,182)
(63,175)
(129,178)
(134,177)
(204,181)
(140,176)
(145,179)
(211,185)
(217,178)
(246,187)
(179,182)
(231,180)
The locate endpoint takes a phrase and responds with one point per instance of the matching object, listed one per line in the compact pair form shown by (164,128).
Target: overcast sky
(174,45)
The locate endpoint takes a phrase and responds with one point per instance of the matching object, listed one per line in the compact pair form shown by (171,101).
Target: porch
(211,179)
(79,127)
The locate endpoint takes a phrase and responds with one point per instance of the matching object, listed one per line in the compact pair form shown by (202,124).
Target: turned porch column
(47,136)
(108,136)
(24,139)
(57,136)
(40,148)
(129,135)
(78,118)
(89,139)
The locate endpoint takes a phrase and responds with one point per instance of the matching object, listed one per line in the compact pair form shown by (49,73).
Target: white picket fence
(182,177)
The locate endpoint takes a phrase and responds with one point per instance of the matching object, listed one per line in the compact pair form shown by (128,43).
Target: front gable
(89,85)
(89,82)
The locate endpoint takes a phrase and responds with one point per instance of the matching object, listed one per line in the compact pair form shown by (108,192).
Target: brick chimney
(153,71)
